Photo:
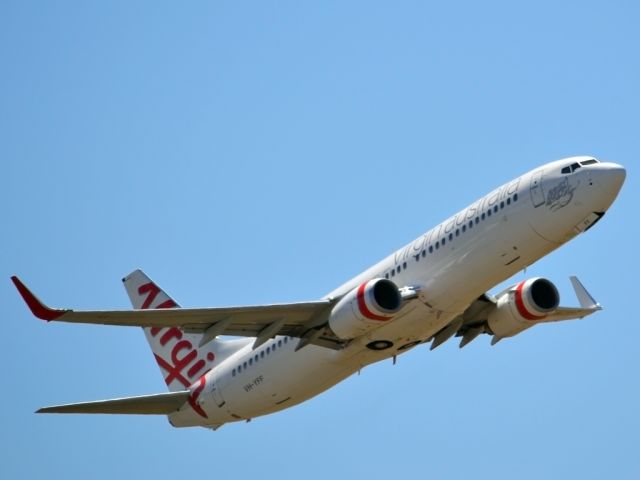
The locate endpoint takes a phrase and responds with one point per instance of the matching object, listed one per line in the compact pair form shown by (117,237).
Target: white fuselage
(451,265)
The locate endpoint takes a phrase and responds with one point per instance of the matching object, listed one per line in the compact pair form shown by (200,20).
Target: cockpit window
(589,162)
(572,168)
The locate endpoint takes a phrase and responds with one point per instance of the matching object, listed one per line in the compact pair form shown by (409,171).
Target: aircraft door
(216,392)
(537,194)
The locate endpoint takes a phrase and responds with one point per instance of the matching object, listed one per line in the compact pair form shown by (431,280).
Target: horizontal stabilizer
(158,404)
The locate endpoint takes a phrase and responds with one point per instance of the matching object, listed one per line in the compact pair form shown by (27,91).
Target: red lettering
(199,365)
(167,304)
(173,372)
(173,332)
(181,363)
(151,290)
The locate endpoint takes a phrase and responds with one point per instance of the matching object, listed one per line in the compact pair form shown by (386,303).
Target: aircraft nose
(609,178)
(618,175)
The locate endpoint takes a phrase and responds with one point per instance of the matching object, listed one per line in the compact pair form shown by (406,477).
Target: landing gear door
(537,195)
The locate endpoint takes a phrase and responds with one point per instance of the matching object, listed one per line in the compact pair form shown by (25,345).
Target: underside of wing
(477,318)
(158,404)
(292,319)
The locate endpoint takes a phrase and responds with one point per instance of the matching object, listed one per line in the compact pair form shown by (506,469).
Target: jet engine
(365,308)
(522,305)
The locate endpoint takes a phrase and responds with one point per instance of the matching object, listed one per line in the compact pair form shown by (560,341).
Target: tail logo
(183,356)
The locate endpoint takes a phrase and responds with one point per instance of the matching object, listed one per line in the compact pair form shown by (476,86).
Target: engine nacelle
(365,308)
(522,305)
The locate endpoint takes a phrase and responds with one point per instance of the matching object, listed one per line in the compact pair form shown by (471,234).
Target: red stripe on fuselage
(362,305)
(522,309)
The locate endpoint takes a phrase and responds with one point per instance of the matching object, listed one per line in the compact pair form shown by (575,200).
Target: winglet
(38,308)
(584,297)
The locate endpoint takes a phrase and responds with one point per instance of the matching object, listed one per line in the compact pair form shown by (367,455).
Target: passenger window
(477,220)
(444,240)
(244,365)
(262,354)
(501,205)
(482,216)
(450,236)
(495,209)
(404,265)
(279,343)
(509,201)
(251,361)
(286,339)
(515,197)
(398,269)
(424,253)
(393,273)
(489,213)
(233,372)
(457,232)
(464,228)
(386,275)
(430,248)
(268,350)
(437,244)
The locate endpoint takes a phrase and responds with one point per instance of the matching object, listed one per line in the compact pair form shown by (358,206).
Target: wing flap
(158,404)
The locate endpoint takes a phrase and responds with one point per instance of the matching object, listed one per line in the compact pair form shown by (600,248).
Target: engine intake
(520,306)
(365,308)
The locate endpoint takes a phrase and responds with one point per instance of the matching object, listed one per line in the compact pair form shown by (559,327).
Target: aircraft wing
(473,321)
(262,321)
(588,305)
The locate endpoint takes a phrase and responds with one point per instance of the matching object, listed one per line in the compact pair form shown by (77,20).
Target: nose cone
(609,178)
(617,175)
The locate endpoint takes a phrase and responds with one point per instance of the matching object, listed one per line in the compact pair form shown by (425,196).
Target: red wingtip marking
(38,308)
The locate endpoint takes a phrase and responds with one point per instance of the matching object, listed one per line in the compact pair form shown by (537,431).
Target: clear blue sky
(268,151)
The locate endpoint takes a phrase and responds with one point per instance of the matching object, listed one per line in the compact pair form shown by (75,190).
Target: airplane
(430,290)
